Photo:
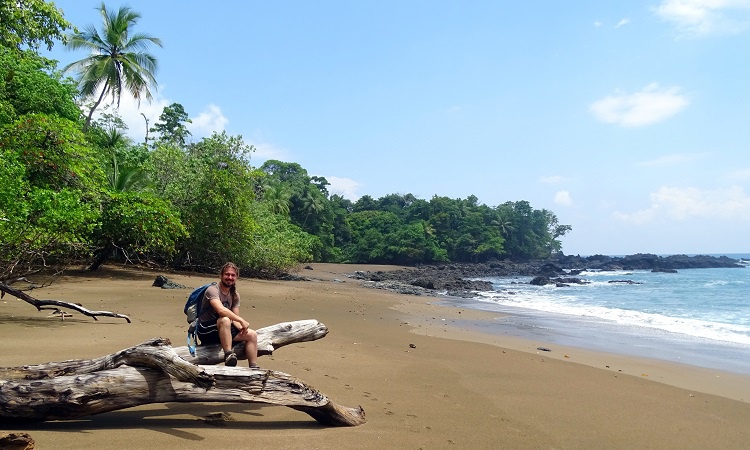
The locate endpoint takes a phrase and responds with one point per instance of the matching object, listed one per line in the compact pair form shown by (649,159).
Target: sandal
(230,359)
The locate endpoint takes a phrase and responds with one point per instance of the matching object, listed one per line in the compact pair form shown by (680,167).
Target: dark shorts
(208,334)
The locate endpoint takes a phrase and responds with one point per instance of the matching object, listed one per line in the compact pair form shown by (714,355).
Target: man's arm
(232,314)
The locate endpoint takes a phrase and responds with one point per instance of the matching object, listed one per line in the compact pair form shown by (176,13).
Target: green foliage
(117,61)
(39,226)
(54,153)
(382,237)
(28,84)
(276,245)
(141,222)
(30,23)
(70,189)
(532,233)
(211,184)
(289,188)
(278,198)
(171,125)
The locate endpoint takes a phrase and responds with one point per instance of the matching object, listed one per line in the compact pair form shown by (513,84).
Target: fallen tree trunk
(56,304)
(269,339)
(153,372)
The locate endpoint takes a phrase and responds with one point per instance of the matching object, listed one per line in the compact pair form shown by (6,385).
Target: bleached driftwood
(269,339)
(56,304)
(154,372)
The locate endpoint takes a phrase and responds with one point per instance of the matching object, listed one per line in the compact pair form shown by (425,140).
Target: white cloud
(265,151)
(622,22)
(209,121)
(597,23)
(684,203)
(345,187)
(705,17)
(670,160)
(650,105)
(132,113)
(553,179)
(563,198)
(741,175)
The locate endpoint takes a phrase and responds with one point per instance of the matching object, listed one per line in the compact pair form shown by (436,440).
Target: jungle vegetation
(75,190)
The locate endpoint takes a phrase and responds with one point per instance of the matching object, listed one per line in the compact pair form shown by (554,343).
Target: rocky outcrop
(462,280)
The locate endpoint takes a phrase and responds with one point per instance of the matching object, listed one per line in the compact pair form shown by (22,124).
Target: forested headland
(75,190)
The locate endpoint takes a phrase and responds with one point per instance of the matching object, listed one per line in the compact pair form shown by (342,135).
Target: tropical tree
(312,204)
(277,196)
(171,125)
(117,61)
(49,200)
(29,84)
(137,223)
(30,23)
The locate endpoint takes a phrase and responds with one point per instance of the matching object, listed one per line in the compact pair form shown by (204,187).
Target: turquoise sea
(695,316)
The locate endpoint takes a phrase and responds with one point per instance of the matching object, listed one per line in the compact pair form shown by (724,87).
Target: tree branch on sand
(155,372)
(55,305)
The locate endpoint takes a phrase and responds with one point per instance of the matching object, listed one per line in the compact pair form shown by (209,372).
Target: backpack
(192,311)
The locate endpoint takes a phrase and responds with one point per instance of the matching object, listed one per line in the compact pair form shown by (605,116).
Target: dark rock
(463,279)
(17,441)
(540,281)
(426,283)
(164,283)
(570,280)
(160,281)
(662,270)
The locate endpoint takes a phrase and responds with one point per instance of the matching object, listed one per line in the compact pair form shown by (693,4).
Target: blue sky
(627,119)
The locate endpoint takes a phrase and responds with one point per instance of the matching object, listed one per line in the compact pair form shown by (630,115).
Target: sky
(628,118)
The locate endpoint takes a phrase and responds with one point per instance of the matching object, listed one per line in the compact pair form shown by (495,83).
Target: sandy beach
(423,381)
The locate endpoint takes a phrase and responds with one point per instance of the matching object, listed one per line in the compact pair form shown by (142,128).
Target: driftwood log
(55,305)
(154,372)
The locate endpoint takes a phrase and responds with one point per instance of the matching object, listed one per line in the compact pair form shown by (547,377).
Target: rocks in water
(540,281)
(463,279)
(559,281)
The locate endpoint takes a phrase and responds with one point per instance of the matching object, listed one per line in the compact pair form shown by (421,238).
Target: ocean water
(699,317)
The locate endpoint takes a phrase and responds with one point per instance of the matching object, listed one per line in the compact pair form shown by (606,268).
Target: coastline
(424,382)
(469,324)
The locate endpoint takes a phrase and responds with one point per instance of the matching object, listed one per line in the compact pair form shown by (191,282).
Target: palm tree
(118,60)
(311,204)
(123,179)
(126,179)
(278,196)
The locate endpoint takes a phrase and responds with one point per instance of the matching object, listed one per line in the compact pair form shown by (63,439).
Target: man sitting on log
(221,322)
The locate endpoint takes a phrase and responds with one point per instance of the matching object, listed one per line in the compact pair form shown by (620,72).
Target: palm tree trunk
(91,112)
